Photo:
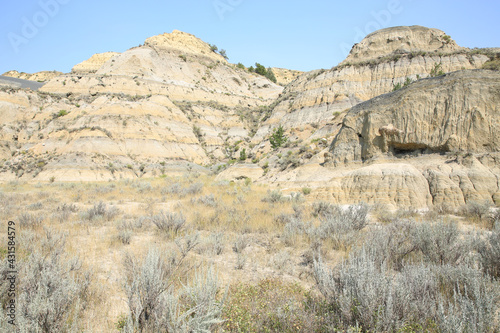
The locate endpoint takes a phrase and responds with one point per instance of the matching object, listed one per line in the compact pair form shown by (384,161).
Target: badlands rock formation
(401,40)
(92,64)
(168,106)
(173,105)
(374,66)
(457,112)
(285,76)
(439,145)
(177,65)
(39,76)
(434,142)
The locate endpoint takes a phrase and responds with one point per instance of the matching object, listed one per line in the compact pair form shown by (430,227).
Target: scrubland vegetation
(189,254)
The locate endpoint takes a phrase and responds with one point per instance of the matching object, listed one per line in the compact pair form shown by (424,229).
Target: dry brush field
(188,254)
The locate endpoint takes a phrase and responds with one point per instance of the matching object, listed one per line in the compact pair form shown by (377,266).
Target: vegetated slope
(151,110)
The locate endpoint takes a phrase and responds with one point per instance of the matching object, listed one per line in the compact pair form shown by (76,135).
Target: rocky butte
(409,119)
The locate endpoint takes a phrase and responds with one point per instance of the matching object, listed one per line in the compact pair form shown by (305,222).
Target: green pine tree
(278,138)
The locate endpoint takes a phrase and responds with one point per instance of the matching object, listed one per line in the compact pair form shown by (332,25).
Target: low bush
(240,244)
(30,220)
(441,243)
(53,289)
(476,210)
(274,196)
(489,251)
(100,211)
(125,236)
(169,222)
(155,304)
(207,200)
(341,226)
(425,297)
(323,209)
(391,244)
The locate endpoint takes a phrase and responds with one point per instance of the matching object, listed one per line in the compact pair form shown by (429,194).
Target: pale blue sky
(40,35)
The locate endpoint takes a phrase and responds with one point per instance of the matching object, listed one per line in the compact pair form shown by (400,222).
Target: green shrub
(61,113)
(306,190)
(243,155)
(437,70)
(278,137)
(273,305)
(270,75)
(223,53)
(492,64)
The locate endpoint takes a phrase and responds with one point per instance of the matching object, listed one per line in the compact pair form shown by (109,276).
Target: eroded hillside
(151,110)
(175,104)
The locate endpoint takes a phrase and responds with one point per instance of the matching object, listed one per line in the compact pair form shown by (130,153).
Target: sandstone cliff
(457,112)
(401,40)
(177,65)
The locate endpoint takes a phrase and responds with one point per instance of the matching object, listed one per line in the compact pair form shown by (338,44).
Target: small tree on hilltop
(278,138)
(270,75)
(259,69)
(222,52)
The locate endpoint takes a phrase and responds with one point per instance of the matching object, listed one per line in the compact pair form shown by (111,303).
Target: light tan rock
(398,40)
(454,112)
(93,64)
(177,65)
(317,97)
(285,76)
(420,182)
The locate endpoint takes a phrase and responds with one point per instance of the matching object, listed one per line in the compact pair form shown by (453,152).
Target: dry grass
(104,221)
(98,216)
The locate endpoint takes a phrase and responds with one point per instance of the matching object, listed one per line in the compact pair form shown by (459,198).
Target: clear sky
(38,35)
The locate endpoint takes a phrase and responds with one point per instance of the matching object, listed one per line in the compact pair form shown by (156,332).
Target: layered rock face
(108,137)
(173,104)
(457,112)
(455,115)
(177,65)
(434,142)
(167,106)
(401,40)
(382,60)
